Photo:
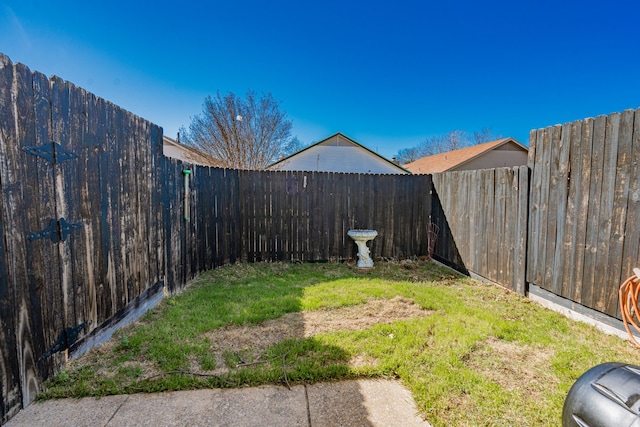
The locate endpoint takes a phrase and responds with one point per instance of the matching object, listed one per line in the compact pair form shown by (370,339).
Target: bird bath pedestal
(361,237)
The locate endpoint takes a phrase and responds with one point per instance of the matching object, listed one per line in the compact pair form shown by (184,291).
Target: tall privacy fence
(583,213)
(250,216)
(82,235)
(585,208)
(482,221)
(95,223)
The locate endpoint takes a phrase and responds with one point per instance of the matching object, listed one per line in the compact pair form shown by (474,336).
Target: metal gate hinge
(64,340)
(53,152)
(58,230)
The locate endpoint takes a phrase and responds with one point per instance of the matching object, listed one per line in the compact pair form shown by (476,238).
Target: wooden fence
(252,216)
(585,208)
(93,224)
(78,216)
(306,215)
(482,221)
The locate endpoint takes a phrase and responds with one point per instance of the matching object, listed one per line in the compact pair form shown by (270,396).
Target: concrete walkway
(347,403)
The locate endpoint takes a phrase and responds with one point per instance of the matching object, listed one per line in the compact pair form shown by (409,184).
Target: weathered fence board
(535,151)
(10,391)
(79,221)
(631,248)
(595,212)
(467,204)
(560,144)
(142,229)
(619,213)
(306,215)
(520,252)
(598,173)
(482,215)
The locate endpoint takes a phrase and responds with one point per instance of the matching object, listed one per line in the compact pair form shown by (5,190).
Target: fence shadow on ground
(445,249)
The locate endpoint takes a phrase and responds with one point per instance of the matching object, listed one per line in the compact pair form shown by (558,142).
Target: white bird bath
(361,237)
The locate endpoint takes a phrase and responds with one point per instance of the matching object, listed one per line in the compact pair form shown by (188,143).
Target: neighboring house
(338,153)
(174,149)
(506,152)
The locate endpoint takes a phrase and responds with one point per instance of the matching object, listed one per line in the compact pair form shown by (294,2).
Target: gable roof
(339,139)
(174,149)
(449,160)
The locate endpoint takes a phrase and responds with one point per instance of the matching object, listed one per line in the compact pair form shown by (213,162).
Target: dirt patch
(235,345)
(252,340)
(513,367)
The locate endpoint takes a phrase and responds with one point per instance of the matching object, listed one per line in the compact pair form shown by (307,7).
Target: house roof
(189,153)
(342,138)
(449,160)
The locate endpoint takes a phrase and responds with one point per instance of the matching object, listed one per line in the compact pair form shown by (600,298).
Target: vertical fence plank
(619,213)
(10,381)
(573,203)
(602,275)
(554,205)
(545,148)
(534,207)
(561,197)
(583,206)
(476,204)
(499,226)
(470,201)
(598,173)
(68,129)
(40,313)
(523,220)
(488,263)
(539,216)
(630,257)
(464,216)
(510,241)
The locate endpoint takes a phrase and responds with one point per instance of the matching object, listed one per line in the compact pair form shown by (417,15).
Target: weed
(471,353)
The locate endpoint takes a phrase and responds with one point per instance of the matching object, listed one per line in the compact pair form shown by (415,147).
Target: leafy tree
(242,133)
(442,143)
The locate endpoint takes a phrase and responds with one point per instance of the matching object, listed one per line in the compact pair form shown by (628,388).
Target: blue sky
(387,74)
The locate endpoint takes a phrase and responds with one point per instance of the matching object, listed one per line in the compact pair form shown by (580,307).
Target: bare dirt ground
(247,343)
(513,366)
(252,340)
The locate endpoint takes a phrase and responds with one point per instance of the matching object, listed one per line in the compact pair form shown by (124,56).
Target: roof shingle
(443,162)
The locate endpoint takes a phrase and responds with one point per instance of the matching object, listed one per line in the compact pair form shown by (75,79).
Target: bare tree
(453,140)
(242,133)
(293,146)
(484,135)
(407,155)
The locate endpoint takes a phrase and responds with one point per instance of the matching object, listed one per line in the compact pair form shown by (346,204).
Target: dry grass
(471,353)
(249,342)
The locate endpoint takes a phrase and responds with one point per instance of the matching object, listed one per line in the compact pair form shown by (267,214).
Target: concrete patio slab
(346,403)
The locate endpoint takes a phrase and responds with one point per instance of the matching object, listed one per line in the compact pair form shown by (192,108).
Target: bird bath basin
(361,237)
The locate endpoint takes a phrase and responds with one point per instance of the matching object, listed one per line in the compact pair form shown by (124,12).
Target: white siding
(173,152)
(338,158)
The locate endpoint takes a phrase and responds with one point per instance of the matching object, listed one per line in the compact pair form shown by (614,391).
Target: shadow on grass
(240,326)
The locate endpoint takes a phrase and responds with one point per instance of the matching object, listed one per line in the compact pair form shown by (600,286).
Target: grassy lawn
(471,353)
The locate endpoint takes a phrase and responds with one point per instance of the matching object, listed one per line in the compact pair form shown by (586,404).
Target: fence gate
(80,232)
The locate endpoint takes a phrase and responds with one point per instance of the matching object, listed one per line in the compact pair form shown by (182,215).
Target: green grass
(480,356)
